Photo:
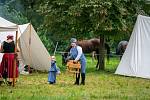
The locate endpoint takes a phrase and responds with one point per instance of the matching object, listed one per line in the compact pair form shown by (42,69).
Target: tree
(86,18)
(12,15)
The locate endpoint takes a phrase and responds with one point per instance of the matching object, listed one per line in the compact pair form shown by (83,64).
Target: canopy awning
(6,25)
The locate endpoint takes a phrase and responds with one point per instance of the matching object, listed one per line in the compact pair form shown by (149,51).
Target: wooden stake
(15,60)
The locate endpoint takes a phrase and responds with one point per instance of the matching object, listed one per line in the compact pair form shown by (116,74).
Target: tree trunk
(102,53)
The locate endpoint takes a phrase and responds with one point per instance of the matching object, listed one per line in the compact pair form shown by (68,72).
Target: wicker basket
(73,67)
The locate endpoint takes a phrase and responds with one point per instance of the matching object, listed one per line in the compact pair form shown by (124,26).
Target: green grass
(100,85)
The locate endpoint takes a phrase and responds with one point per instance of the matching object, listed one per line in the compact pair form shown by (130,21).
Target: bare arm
(1,47)
(18,48)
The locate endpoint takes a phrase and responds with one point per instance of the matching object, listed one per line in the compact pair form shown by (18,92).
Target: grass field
(100,85)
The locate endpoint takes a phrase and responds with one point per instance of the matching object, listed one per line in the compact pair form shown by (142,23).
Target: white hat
(73,40)
(53,58)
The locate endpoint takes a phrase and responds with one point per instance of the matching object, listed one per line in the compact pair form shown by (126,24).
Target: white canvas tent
(136,59)
(32,50)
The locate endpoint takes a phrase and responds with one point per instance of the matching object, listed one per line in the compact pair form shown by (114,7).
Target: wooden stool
(73,67)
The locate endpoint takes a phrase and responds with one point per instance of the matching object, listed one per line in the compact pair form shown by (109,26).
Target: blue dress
(52,72)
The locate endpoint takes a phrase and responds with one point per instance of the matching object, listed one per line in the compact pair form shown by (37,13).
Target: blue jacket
(53,67)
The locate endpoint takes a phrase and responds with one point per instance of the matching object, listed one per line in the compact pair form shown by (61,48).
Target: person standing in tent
(53,71)
(6,66)
(76,54)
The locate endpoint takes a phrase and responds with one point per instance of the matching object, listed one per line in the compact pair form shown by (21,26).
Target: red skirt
(6,67)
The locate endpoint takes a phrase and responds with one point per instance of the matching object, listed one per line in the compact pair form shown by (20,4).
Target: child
(53,71)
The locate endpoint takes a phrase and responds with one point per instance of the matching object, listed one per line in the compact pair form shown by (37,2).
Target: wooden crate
(73,67)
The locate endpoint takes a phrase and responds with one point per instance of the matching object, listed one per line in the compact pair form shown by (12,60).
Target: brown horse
(88,46)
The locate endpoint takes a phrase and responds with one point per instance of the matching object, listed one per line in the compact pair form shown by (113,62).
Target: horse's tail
(108,51)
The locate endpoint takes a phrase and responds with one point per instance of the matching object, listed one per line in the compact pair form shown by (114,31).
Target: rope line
(112,54)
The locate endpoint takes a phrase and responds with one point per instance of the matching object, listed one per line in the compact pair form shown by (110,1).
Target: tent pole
(29,48)
(15,60)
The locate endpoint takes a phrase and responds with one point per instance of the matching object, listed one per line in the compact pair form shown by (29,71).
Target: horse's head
(121,47)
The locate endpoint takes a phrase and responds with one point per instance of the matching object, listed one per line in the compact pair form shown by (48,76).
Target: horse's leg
(63,61)
(97,55)
(93,56)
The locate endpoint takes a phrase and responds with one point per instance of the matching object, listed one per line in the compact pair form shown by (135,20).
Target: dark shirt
(8,47)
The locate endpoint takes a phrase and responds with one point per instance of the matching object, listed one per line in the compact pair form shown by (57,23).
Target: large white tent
(32,50)
(136,59)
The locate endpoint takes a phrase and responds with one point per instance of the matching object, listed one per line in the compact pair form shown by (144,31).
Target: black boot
(51,82)
(1,83)
(77,79)
(83,78)
(9,83)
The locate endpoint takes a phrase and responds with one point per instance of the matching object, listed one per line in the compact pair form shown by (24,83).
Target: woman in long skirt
(6,66)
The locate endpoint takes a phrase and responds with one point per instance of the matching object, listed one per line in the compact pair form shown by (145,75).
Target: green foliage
(84,19)
(12,15)
(70,18)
